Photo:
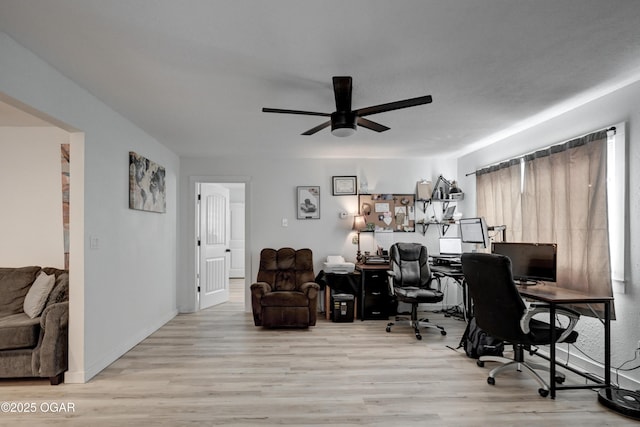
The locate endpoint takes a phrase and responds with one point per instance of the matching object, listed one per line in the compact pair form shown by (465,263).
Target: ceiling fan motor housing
(343,123)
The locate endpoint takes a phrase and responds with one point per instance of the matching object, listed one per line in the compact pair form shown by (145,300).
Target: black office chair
(410,282)
(500,311)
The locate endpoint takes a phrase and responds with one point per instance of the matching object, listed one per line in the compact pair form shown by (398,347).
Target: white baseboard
(93,369)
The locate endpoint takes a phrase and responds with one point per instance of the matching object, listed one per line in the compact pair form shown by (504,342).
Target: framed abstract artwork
(147,191)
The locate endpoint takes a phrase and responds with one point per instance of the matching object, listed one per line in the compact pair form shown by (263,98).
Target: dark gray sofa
(33,347)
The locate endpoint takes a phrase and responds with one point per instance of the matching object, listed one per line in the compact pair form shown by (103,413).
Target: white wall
(127,290)
(271,188)
(611,109)
(31,194)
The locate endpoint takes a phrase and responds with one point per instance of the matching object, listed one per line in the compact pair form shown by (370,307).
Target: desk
(555,296)
(454,272)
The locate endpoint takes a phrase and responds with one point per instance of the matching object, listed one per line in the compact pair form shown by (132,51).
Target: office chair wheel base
(418,337)
(443,332)
(388,328)
(491,381)
(480,363)
(559,380)
(542,392)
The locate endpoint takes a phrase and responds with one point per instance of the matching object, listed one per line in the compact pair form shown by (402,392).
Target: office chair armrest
(534,309)
(435,278)
(391,275)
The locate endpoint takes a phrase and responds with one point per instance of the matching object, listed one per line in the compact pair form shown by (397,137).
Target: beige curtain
(499,197)
(564,201)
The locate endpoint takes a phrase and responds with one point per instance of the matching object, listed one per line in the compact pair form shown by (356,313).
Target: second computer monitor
(474,230)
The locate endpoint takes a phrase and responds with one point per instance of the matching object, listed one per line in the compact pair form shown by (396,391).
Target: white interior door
(237,240)
(214,245)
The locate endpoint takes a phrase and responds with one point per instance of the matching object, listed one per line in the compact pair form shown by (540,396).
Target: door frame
(191,258)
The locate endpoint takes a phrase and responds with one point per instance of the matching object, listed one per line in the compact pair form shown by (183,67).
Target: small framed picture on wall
(308,204)
(345,185)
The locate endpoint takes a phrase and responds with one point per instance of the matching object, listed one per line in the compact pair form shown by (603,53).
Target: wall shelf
(443,226)
(444,193)
(445,202)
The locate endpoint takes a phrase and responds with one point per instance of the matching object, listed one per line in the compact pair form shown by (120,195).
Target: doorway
(220,243)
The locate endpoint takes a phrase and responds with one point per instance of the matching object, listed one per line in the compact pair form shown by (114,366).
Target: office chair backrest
(497,305)
(409,262)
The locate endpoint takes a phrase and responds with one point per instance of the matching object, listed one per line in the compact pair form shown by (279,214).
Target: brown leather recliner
(285,294)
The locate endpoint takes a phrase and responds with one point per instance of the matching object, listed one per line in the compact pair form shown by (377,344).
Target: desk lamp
(359,225)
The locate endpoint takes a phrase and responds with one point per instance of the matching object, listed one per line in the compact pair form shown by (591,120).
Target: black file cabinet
(375,300)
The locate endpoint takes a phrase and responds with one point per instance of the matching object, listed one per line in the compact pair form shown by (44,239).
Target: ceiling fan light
(343,123)
(343,131)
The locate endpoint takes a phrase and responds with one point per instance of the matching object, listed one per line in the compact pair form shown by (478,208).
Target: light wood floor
(215,368)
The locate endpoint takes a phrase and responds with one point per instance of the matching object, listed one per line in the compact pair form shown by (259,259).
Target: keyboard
(446,260)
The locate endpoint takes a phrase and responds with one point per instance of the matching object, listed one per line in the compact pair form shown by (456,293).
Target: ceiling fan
(344,120)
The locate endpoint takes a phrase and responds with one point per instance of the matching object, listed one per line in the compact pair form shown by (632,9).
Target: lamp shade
(358,223)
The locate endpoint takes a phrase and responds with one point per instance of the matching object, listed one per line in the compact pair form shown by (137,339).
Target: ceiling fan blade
(393,106)
(365,123)
(342,87)
(304,113)
(317,128)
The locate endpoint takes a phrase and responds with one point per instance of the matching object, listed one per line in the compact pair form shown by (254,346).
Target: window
(616,202)
(571,194)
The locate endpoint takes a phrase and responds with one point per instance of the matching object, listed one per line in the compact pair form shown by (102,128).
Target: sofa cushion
(38,294)
(19,331)
(14,285)
(285,299)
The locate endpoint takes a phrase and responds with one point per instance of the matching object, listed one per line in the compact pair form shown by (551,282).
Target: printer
(337,264)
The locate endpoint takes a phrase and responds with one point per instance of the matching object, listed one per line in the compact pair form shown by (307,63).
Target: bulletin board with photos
(395,212)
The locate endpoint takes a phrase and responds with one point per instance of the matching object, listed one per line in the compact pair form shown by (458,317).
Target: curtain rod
(609,129)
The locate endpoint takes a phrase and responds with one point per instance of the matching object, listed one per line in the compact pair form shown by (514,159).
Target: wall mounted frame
(147,191)
(308,202)
(344,185)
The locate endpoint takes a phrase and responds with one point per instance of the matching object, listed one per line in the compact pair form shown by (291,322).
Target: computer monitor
(450,246)
(530,262)
(474,230)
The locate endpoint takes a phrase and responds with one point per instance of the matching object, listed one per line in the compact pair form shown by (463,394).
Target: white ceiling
(195,74)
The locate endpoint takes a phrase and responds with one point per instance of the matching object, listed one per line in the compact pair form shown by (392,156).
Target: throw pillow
(38,294)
